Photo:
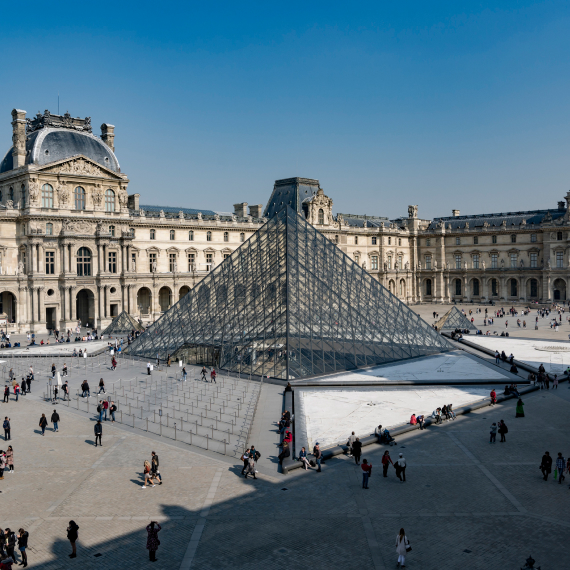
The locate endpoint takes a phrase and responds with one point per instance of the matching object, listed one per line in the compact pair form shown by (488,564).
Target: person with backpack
(105,408)
(43,424)
(400,466)
(72,536)
(7,394)
(55,421)
(7,428)
(503,429)
(22,545)
(98,429)
(64,370)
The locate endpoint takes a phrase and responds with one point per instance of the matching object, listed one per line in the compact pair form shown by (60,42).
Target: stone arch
(475,287)
(144,301)
(493,286)
(392,286)
(532,288)
(184,290)
(428,287)
(559,290)
(402,289)
(512,287)
(165,298)
(9,305)
(457,288)
(85,307)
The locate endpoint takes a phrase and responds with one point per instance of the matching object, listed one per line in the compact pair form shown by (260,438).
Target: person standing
(7,428)
(65,389)
(357,450)
(2,463)
(213,375)
(6,394)
(244,458)
(204,373)
(105,408)
(168,361)
(402,545)
(148,368)
(43,423)
(401,468)
(318,456)
(493,438)
(560,466)
(152,541)
(546,465)
(555,382)
(98,429)
(386,460)
(520,409)
(100,410)
(112,411)
(184,374)
(351,440)
(251,466)
(113,364)
(503,429)
(10,459)
(366,472)
(10,543)
(64,370)
(22,545)
(101,386)
(53,370)
(29,383)
(55,421)
(493,397)
(72,536)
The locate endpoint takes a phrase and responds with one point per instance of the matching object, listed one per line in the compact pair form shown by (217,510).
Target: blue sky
(443,104)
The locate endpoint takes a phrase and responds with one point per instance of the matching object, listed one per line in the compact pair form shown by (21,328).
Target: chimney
(561,206)
(455,213)
(18,138)
(133,201)
(240,210)
(256,211)
(108,135)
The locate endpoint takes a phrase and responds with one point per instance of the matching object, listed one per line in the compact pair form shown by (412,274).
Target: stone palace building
(76,246)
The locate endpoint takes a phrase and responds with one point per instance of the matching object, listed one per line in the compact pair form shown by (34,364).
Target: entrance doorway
(114,310)
(85,306)
(8,305)
(560,290)
(50,318)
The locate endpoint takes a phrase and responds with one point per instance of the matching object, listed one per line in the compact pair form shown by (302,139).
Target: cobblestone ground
(466,503)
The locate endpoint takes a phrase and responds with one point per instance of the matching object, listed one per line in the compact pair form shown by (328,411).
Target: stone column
(40,305)
(128,265)
(104,258)
(32,259)
(96,308)
(99,269)
(28,294)
(73,302)
(63,308)
(41,259)
(124,259)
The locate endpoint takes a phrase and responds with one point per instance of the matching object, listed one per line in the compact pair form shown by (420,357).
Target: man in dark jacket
(98,429)
(55,421)
(546,465)
(357,450)
(7,428)
(318,456)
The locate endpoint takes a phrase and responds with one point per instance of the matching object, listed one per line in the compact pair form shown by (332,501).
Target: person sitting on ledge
(378,433)
(421,420)
(450,411)
(514,369)
(413,420)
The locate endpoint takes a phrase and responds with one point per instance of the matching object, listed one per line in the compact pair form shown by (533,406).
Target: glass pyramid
(121,325)
(454,319)
(289,304)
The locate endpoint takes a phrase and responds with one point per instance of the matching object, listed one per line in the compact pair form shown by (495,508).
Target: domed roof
(53,144)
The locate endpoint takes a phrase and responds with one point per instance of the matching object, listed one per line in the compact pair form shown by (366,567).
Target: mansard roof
(512,219)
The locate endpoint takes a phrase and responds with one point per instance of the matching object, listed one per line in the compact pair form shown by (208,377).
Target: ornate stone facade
(75,246)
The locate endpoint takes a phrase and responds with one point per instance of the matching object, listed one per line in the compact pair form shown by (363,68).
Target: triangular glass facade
(122,324)
(289,304)
(455,319)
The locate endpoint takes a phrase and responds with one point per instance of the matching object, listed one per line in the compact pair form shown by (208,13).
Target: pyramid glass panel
(455,319)
(122,325)
(289,304)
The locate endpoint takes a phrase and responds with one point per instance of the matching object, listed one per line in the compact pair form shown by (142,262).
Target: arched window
(226,236)
(209,236)
(336,239)
(476,287)
(49,229)
(11,194)
(112,231)
(83,262)
(79,198)
(321,216)
(514,288)
(241,237)
(428,287)
(458,286)
(109,200)
(152,234)
(47,196)
(23,195)
(172,235)
(191,235)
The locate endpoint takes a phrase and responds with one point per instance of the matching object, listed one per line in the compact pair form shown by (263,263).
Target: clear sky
(444,104)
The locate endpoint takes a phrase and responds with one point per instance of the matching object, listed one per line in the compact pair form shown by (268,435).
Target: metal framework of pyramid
(454,319)
(122,324)
(288,303)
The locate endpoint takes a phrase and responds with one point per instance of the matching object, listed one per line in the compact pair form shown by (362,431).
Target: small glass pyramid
(287,304)
(122,325)
(454,319)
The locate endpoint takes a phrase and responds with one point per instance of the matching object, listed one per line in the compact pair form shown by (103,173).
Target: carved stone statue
(412,211)
(407,265)
(435,263)
(483,266)
(142,213)
(385,266)
(548,266)
(62,194)
(123,198)
(217,217)
(199,215)
(465,265)
(133,264)
(522,264)
(99,226)
(154,266)
(21,270)
(447,266)
(9,204)
(97,196)
(181,215)
(175,266)
(34,191)
(420,265)
(502,263)
(162,216)
(364,265)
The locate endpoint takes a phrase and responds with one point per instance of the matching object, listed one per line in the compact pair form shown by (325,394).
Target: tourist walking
(6,394)
(10,459)
(147,474)
(101,386)
(546,465)
(184,374)
(55,421)
(53,370)
(98,429)
(154,463)
(357,450)
(245,458)
(113,364)
(503,429)
(152,541)
(251,466)
(72,536)
(520,409)
(65,389)
(64,370)
(204,373)
(386,461)
(366,472)
(400,466)
(213,376)
(402,547)
(43,423)
(7,428)
(560,466)
(351,440)
(148,368)
(22,545)
(2,463)
(318,456)
(493,438)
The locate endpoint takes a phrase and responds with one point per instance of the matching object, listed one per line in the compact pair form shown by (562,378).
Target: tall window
(389,262)
(399,241)
(133,262)
(533,288)
(533,238)
(559,259)
(172,235)
(132,232)
(428,261)
(494,239)
(513,259)
(241,237)
(47,196)
(457,241)
(11,197)
(374,262)
(109,200)
(226,236)
(191,262)
(209,261)
(112,231)
(336,239)
(50,262)
(226,255)
(79,194)
(476,287)
(476,262)
(558,234)
(152,234)
(458,286)
(84,262)
(151,260)
(389,241)
(400,265)
(457,262)
(475,240)
(494,260)
(321,217)
(209,236)
(112,262)
(428,243)
(23,195)
(514,238)
(374,241)
(49,229)
(514,288)
(357,258)
(428,287)
(534,259)
(494,288)
(191,235)
(355,240)
(172,262)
